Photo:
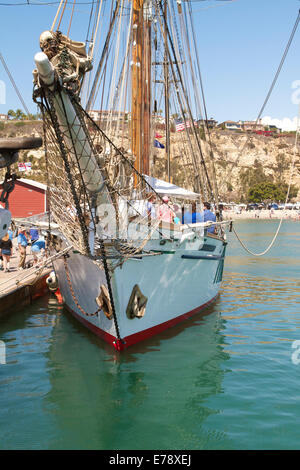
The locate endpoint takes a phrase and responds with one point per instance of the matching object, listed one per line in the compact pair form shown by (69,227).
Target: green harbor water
(222,380)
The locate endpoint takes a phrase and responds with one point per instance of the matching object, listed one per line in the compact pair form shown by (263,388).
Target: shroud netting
(79,155)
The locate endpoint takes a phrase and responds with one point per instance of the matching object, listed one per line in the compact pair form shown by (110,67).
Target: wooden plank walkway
(20,288)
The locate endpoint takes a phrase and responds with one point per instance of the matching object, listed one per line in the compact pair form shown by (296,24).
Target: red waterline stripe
(120,345)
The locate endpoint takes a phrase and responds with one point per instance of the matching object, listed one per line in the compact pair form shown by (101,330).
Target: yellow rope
(56,16)
(62,14)
(96,30)
(71,18)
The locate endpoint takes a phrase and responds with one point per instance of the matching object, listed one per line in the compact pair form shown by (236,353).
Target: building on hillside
(252,126)
(275,129)
(231,125)
(3,117)
(28,198)
(105,116)
(210,123)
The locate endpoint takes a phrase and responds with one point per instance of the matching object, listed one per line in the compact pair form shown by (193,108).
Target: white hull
(175,287)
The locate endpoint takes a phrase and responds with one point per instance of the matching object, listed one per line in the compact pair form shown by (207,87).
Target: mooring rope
(286,199)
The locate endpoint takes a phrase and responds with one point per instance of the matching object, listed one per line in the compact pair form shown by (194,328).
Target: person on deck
(193,217)
(22,244)
(6,251)
(209,216)
(150,206)
(165,211)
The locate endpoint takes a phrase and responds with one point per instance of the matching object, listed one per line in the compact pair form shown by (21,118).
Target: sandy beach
(262,214)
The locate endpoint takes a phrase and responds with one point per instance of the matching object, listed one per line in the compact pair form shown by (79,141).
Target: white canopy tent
(169,189)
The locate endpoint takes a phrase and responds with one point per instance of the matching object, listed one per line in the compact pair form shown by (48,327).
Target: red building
(28,198)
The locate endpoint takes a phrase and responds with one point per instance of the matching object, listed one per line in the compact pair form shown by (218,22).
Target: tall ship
(124,155)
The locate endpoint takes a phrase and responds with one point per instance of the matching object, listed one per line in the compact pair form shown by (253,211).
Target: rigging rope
(13,83)
(56,16)
(286,200)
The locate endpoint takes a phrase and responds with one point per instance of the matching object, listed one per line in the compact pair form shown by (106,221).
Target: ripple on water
(222,380)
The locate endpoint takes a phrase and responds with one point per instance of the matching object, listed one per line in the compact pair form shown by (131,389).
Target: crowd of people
(172,213)
(28,241)
(31,241)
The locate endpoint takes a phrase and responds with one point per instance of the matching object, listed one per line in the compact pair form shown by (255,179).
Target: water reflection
(151,396)
(223,379)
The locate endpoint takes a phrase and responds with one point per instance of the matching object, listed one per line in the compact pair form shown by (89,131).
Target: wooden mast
(141,86)
(146,84)
(167,111)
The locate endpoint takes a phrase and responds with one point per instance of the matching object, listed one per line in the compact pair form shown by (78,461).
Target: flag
(28,166)
(159,145)
(179,125)
(21,166)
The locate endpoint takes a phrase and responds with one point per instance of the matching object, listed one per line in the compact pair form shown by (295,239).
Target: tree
(268,192)
(11,114)
(262,192)
(281,166)
(253,175)
(18,114)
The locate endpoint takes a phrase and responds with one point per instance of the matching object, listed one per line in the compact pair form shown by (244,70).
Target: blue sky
(240,46)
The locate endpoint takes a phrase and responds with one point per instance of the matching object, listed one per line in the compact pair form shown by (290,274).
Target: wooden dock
(20,288)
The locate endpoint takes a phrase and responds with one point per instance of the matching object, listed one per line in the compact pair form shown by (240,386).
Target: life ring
(51,282)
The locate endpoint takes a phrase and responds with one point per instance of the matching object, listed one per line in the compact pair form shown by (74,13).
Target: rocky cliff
(235,154)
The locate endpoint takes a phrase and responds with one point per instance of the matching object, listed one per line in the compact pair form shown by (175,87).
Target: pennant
(159,145)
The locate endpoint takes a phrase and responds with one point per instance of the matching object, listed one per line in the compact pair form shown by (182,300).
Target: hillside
(235,155)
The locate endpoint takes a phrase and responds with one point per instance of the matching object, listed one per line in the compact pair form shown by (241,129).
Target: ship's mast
(141,84)
(167,110)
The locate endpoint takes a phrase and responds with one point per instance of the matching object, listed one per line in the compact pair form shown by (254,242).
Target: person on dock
(37,250)
(6,251)
(22,244)
(34,235)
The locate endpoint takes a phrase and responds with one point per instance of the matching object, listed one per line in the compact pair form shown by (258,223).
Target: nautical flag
(28,166)
(159,145)
(21,166)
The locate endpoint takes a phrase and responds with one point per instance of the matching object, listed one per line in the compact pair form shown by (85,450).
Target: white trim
(33,183)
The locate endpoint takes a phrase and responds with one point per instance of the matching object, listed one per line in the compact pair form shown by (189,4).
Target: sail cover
(169,189)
